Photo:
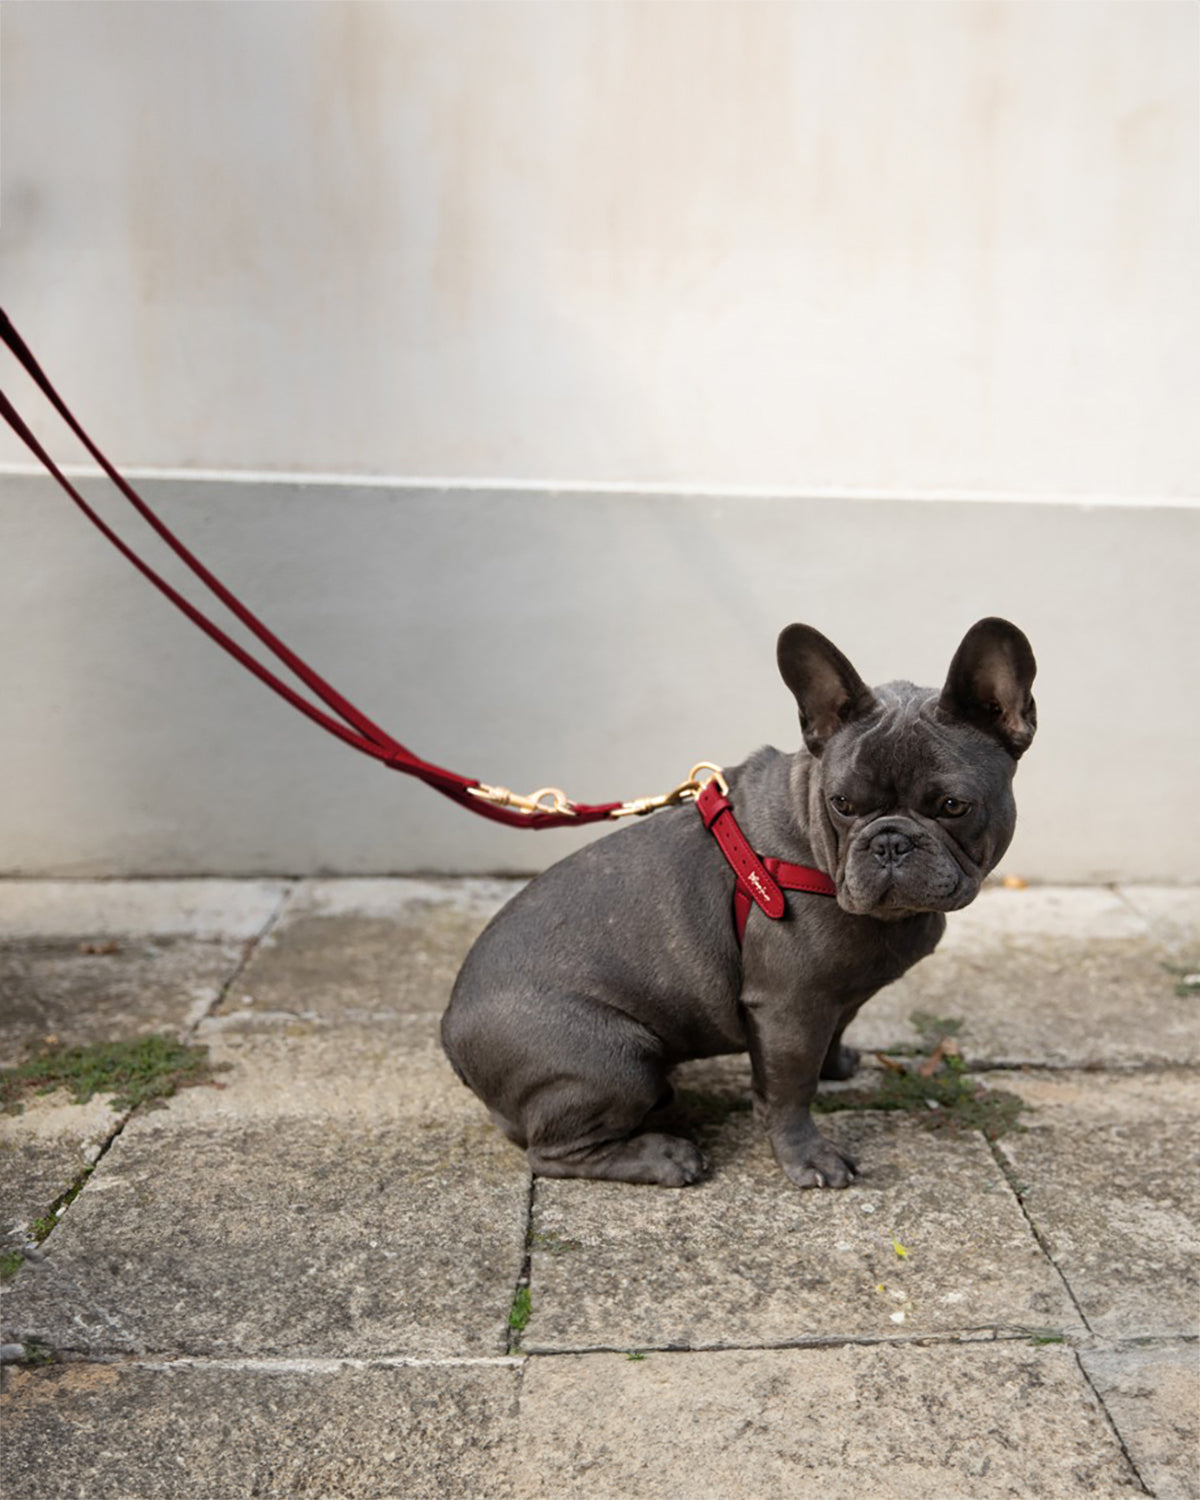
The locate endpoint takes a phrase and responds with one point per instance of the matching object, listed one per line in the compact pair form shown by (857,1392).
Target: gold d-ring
(715,774)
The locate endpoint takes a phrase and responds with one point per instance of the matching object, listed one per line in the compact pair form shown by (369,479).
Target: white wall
(901,245)
(846,250)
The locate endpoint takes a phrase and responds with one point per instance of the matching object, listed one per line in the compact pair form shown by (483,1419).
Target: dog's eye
(842,805)
(953,807)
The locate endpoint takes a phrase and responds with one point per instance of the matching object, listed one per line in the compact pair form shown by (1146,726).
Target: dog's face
(910,791)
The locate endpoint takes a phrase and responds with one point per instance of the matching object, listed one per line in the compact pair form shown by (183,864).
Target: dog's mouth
(894,904)
(895,869)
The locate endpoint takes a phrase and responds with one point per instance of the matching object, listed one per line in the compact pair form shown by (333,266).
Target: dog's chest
(831,952)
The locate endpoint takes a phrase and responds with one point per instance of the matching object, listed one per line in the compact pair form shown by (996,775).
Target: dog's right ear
(827,689)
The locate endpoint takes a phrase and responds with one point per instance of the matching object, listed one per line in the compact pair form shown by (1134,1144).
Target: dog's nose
(891,847)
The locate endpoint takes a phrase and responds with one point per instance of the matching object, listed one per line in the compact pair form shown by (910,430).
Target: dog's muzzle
(894,868)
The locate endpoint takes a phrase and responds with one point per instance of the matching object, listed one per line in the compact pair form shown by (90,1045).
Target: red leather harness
(760,881)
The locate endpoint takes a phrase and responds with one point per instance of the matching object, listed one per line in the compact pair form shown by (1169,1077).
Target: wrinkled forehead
(904,749)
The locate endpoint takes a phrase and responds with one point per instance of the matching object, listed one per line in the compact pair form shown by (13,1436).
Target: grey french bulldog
(622,960)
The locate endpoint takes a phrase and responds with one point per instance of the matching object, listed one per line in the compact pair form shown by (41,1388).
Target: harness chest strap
(759,880)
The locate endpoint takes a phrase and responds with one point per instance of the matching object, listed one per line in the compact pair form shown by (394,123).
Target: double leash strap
(757,880)
(548,808)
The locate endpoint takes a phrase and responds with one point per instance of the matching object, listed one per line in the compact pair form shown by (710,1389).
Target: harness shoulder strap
(759,881)
(752,876)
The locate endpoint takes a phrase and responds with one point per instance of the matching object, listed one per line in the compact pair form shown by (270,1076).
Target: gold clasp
(686,791)
(536,802)
(552,799)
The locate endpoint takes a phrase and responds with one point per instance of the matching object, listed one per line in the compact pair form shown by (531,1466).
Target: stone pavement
(325,1275)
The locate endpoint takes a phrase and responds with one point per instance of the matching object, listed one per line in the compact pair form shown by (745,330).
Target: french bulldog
(622,960)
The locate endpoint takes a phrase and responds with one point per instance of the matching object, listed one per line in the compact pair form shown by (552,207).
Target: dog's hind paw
(649,1157)
(680,1162)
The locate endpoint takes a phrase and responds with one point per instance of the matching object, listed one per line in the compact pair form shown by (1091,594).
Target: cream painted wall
(917,244)
(882,316)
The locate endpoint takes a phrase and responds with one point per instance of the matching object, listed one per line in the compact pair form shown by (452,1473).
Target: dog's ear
(827,689)
(988,685)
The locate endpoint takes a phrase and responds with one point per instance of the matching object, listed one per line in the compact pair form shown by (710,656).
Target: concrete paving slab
(858,1423)
(1111,1177)
(1035,995)
(234,910)
(330,1237)
(1153,1398)
(341,1197)
(390,895)
(43,1153)
(186,1432)
(1172,912)
(1083,913)
(389,1073)
(361,950)
(83,989)
(746,1258)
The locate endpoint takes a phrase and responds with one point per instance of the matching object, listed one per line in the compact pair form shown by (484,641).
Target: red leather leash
(355,728)
(759,880)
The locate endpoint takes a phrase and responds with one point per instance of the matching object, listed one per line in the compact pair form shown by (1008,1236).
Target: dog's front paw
(818,1164)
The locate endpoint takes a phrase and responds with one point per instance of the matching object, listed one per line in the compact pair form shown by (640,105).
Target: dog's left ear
(988,684)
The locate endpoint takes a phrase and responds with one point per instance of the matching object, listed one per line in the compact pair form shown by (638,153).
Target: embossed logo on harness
(754,879)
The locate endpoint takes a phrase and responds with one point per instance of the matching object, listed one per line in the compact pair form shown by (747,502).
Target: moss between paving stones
(522,1307)
(946,1098)
(134,1072)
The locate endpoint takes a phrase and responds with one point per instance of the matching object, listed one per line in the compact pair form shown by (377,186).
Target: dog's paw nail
(820,1179)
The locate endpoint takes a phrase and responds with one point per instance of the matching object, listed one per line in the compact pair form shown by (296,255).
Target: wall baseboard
(526,642)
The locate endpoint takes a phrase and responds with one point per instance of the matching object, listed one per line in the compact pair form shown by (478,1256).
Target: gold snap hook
(536,802)
(686,791)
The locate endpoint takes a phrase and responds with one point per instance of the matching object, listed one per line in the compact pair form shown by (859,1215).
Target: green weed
(937,1091)
(522,1306)
(37,1353)
(40,1228)
(134,1072)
